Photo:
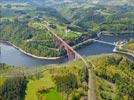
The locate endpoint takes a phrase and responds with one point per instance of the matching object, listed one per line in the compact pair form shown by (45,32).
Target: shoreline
(124,53)
(76,47)
(29,54)
(83,44)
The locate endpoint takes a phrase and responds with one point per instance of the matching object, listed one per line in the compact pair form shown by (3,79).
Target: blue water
(12,56)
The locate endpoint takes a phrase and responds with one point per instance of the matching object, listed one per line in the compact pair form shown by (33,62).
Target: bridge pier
(61,44)
(70,55)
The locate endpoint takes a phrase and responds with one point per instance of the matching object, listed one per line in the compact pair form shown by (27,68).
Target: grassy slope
(46,81)
(107,86)
(35,84)
(52,95)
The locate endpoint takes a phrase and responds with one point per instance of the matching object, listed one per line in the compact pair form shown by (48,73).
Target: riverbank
(102,33)
(83,44)
(29,54)
(119,48)
(129,55)
(76,47)
(108,33)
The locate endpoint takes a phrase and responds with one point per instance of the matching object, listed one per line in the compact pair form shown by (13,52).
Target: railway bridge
(61,44)
(72,54)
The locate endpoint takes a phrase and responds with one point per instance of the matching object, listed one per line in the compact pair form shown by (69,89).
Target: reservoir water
(12,56)
(100,48)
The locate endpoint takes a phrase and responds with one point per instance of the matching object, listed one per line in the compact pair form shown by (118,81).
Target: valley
(66,49)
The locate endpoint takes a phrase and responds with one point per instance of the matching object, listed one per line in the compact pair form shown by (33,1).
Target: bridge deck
(90,83)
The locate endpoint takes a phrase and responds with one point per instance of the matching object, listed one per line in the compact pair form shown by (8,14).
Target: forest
(113,80)
(114,77)
(24,24)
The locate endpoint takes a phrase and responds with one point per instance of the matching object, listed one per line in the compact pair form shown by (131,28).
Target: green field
(34,85)
(47,86)
(52,94)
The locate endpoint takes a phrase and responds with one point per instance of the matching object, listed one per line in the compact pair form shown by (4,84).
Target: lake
(12,56)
